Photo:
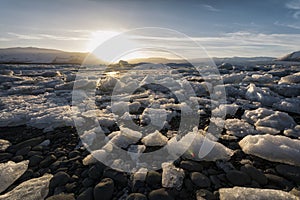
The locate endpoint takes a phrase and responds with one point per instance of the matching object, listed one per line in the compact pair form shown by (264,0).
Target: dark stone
(62,197)
(35,160)
(136,196)
(17,158)
(26,176)
(74,154)
(153,178)
(255,174)
(215,181)
(191,166)
(200,180)
(31,142)
(4,156)
(205,194)
(282,183)
(59,179)
(87,194)
(34,153)
(289,172)
(238,178)
(37,148)
(70,187)
(104,190)
(87,182)
(48,161)
(23,151)
(96,171)
(159,194)
(118,177)
(188,184)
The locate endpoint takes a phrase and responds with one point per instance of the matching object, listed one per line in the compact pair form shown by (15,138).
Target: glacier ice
(273,148)
(172,177)
(36,188)
(155,139)
(243,193)
(10,172)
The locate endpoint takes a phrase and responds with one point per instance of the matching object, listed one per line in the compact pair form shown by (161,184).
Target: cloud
(42,36)
(294,5)
(239,43)
(293,26)
(210,8)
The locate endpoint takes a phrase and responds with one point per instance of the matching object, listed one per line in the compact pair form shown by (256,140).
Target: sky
(223,28)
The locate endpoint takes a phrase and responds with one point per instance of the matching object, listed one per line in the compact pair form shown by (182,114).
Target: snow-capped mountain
(42,56)
(295,57)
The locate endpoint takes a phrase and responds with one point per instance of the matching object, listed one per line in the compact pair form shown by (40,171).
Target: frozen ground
(124,114)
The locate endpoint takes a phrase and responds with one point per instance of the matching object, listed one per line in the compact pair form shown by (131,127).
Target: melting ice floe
(10,172)
(273,148)
(243,193)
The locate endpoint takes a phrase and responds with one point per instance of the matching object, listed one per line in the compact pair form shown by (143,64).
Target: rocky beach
(59,143)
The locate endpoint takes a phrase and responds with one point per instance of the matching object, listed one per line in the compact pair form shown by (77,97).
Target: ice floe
(155,139)
(36,188)
(243,193)
(273,148)
(10,172)
(172,177)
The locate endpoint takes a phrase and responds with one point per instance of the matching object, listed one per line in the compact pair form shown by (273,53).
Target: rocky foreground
(255,155)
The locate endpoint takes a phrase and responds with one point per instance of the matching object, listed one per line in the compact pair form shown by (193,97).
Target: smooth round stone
(289,172)
(95,171)
(200,180)
(59,179)
(17,158)
(136,196)
(279,182)
(48,161)
(238,178)
(87,182)
(35,160)
(191,166)
(255,174)
(87,194)
(153,178)
(159,194)
(104,190)
(23,151)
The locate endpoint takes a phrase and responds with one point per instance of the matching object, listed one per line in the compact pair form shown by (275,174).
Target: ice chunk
(243,193)
(239,128)
(125,137)
(264,118)
(273,148)
(295,132)
(94,157)
(4,144)
(291,105)
(107,84)
(196,146)
(155,139)
(265,96)
(10,172)
(36,188)
(172,177)
(290,79)
(156,116)
(225,109)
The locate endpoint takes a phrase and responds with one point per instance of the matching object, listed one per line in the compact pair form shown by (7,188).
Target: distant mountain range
(32,55)
(294,57)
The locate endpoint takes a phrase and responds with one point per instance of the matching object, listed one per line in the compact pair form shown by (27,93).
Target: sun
(103,45)
(98,37)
